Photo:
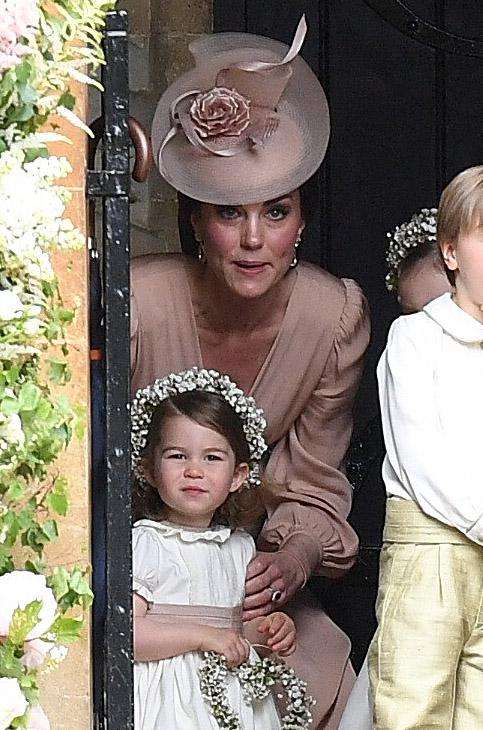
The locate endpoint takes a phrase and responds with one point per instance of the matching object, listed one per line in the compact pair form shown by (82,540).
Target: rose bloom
(10,306)
(12,702)
(17,590)
(220,111)
(38,720)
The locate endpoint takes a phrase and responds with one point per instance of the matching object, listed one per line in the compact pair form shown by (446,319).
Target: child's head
(416,270)
(192,450)
(460,237)
(421,277)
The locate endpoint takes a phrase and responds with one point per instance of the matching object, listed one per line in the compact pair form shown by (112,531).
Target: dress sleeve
(147,560)
(310,520)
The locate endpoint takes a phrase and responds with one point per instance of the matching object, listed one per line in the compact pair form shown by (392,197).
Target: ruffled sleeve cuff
(142,590)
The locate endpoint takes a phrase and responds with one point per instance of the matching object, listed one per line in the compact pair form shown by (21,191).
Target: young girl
(192,453)
(426,660)
(416,272)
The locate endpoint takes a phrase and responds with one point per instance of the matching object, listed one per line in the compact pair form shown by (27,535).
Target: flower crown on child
(421,228)
(147,399)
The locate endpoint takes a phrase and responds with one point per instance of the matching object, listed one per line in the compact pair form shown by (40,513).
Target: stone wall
(160,31)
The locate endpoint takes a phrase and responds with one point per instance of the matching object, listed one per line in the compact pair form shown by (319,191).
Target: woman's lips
(251,267)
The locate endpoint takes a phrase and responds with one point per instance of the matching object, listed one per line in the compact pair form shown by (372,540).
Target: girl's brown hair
(212,411)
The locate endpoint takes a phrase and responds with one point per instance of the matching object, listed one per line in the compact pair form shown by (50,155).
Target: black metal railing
(112,640)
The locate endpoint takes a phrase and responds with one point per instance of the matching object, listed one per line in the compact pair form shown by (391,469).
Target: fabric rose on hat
(220,111)
(20,588)
(12,702)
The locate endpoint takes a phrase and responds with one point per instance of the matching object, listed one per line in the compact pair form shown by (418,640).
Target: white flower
(35,653)
(38,720)
(11,430)
(58,653)
(32,326)
(20,588)
(10,306)
(12,702)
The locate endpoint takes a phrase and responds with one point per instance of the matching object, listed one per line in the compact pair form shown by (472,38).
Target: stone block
(191,16)
(140,12)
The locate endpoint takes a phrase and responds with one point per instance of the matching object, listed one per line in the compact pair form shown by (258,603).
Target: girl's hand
(226,642)
(280,632)
(268,572)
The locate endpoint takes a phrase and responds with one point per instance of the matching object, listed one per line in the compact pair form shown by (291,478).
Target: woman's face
(249,248)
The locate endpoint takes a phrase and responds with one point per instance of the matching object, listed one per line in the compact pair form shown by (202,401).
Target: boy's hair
(212,411)
(460,208)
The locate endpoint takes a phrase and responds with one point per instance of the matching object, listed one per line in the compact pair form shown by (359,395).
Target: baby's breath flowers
(421,228)
(257,679)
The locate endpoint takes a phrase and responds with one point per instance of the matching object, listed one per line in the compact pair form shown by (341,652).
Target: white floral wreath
(421,228)
(147,399)
(256,679)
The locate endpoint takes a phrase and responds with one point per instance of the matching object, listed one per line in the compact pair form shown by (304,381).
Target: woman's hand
(266,573)
(280,630)
(230,644)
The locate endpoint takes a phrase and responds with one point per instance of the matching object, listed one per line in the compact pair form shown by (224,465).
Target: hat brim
(264,172)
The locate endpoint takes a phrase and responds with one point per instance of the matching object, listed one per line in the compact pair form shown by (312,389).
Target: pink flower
(19,20)
(35,652)
(38,720)
(12,701)
(220,111)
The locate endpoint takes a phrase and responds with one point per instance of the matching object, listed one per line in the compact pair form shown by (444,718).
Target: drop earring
(201,252)
(296,245)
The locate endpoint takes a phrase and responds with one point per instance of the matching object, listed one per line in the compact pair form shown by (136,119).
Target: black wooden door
(405,86)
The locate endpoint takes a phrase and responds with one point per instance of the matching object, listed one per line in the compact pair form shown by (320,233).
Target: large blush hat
(249,123)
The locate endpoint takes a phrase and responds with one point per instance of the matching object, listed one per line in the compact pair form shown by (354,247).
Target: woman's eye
(278,212)
(228,212)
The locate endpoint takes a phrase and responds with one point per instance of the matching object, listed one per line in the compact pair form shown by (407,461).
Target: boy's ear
(240,476)
(448,250)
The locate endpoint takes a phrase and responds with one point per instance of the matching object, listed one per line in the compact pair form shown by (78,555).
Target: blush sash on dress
(225,617)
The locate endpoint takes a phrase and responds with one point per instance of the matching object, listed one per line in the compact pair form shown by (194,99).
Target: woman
(240,134)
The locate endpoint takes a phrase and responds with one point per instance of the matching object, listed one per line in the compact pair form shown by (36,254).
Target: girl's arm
(154,640)
(276,631)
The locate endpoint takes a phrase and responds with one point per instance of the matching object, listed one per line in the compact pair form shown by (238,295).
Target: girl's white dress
(180,565)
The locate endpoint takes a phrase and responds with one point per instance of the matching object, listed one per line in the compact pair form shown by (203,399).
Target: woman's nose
(253,235)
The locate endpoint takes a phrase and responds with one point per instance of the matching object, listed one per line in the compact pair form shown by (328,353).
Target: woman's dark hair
(212,411)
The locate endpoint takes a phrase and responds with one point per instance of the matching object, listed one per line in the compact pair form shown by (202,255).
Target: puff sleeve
(310,520)
(147,563)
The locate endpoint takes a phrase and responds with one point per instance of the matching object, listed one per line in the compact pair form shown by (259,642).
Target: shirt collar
(454,320)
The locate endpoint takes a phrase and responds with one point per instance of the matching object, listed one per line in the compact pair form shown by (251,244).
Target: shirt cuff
(304,550)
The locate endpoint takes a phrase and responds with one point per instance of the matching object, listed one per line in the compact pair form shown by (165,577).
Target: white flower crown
(146,400)
(421,228)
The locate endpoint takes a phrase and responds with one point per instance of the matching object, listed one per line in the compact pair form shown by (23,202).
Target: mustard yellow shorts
(426,658)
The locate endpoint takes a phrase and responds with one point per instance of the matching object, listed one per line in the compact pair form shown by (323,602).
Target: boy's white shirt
(431,395)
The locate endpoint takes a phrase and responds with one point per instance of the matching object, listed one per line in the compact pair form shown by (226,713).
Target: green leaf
(58,370)
(67,629)
(29,397)
(32,153)
(67,100)
(15,490)
(23,621)
(59,582)
(57,500)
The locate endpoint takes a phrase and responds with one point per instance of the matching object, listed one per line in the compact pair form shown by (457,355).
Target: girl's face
(193,469)
(249,248)
(465,258)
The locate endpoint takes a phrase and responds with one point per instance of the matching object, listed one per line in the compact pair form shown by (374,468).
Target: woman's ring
(276,595)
